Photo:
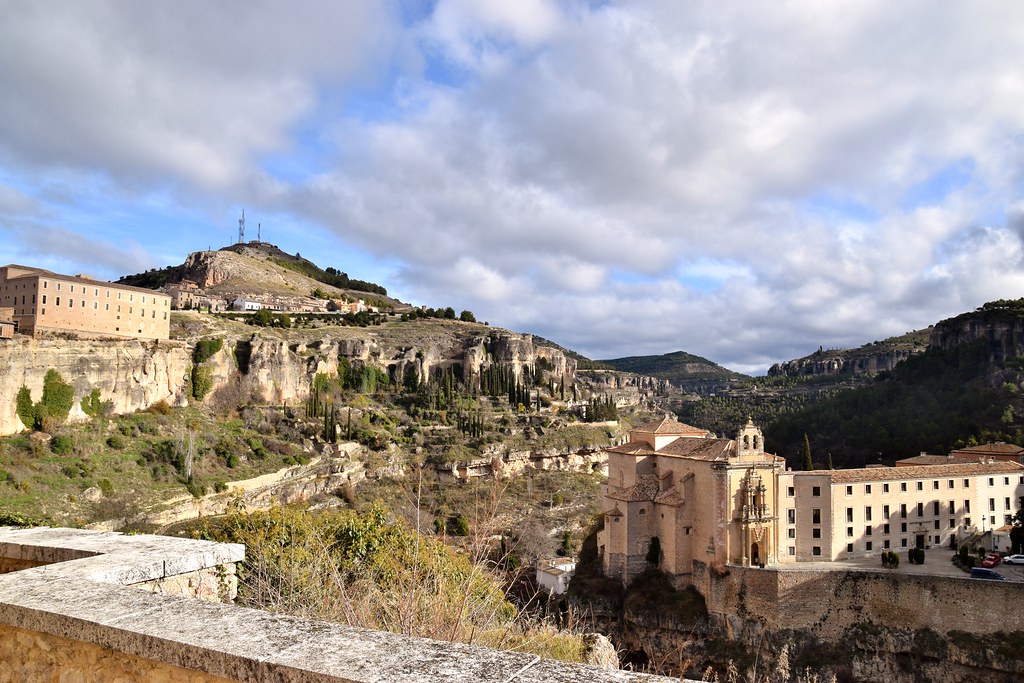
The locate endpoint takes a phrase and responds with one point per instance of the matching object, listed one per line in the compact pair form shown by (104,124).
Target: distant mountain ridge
(685,370)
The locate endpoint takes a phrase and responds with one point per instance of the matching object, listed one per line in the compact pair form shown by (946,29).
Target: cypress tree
(808,465)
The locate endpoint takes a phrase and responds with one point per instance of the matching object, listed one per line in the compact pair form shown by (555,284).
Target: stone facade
(47,303)
(677,494)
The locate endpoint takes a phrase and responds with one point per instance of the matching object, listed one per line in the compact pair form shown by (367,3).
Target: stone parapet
(77,617)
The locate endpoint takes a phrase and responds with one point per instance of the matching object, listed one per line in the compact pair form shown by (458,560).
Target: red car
(991,560)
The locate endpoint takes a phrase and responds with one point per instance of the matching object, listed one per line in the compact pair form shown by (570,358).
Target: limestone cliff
(869,359)
(1000,324)
(271,366)
(131,374)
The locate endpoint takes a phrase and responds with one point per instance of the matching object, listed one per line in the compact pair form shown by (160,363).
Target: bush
(205,349)
(62,445)
(202,381)
(116,442)
(106,487)
(25,409)
(232,461)
(458,525)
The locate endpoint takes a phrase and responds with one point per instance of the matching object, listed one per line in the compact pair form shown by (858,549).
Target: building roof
(668,427)
(700,449)
(959,469)
(997,448)
(40,272)
(926,459)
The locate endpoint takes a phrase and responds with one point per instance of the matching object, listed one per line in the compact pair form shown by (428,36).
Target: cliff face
(842,363)
(131,374)
(1003,331)
(134,375)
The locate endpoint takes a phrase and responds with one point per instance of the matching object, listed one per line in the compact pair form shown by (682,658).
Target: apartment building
(45,303)
(844,514)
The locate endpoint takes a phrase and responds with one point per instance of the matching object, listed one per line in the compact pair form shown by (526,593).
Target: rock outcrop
(133,375)
(869,359)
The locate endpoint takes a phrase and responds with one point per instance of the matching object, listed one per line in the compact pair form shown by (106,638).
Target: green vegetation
(205,349)
(363,569)
(679,367)
(328,276)
(52,409)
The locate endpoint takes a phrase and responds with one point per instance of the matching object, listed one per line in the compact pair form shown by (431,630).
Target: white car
(1013,559)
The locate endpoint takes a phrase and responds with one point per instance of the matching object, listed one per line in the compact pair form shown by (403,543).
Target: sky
(746,181)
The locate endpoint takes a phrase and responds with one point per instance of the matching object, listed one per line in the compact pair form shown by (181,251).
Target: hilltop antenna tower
(241,228)
(259,232)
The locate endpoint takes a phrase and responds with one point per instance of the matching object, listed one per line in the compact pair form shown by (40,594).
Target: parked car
(982,573)
(991,560)
(1014,559)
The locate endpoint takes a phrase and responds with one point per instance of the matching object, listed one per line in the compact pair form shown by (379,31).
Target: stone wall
(76,617)
(828,603)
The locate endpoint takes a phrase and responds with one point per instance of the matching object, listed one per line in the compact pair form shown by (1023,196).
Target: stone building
(677,495)
(46,302)
(7,325)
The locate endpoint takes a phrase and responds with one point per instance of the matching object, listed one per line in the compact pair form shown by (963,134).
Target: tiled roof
(668,426)
(701,449)
(631,448)
(998,448)
(932,460)
(646,488)
(960,469)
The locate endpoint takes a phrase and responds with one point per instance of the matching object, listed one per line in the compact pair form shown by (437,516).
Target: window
(95,305)
(920,509)
(816,516)
(967,506)
(991,504)
(815,533)
(849,514)
(643,512)
(849,490)
(950,484)
(58,301)
(849,531)
(885,528)
(791,516)
(867,488)
(1006,481)
(885,511)
(920,486)
(106,307)
(791,533)
(867,546)
(935,507)
(885,488)
(952,522)
(816,551)
(867,513)
(71,303)
(867,531)
(936,539)
(849,547)
(44,298)
(903,542)
(967,521)
(935,485)
(952,508)
(903,486)
(816,491)
(991,481)
(903,527)
(967,483)
(903,510)
(937,527)
(1006,504)
(885,544)
(792,549)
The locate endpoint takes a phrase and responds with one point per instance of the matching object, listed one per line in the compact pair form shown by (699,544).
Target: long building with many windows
(46,303)
(677,495)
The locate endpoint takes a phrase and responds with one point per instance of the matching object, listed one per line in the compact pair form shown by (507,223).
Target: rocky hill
(997,324)
(869,359)
(684,370)
(260,269)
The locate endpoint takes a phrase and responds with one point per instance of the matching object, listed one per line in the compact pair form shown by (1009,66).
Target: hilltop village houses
(38,302)
(187,295)
(677,495)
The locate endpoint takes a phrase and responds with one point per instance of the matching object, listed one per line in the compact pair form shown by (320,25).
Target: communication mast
(241,228)
(259,232)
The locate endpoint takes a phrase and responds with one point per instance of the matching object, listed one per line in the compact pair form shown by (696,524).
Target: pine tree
(808,465)
(830,461)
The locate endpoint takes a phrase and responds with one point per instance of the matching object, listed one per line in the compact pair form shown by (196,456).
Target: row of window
(96,292)
(868,546)
(950,483)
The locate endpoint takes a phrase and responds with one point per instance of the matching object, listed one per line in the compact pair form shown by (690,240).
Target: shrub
(159,408)
(116,442)
(62,445)
(220,486)
(106,487)
(458,525)
(205,349)
(25,409)
(202,381)
(91,403)
(232,461)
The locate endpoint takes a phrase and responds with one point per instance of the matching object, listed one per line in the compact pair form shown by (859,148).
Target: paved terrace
(71,608)
(938,562)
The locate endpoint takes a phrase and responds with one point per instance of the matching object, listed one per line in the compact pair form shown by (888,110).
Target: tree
(467,317)
(449,313)
(830,461)
(1017,532)
(807,463)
